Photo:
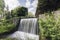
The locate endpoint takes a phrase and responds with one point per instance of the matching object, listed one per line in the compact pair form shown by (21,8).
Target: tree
(19,11)
(47,6)
(2,5)
(30,14)
(7,13)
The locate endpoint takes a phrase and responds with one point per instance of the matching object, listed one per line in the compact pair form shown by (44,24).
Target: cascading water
(27,30)
(28,25)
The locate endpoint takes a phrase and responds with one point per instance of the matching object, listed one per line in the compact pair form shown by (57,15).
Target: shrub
(6,25)
(30,14)
(49,27)
(7,15)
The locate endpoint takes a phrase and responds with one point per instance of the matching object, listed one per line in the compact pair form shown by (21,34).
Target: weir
(28,25)
(28,30)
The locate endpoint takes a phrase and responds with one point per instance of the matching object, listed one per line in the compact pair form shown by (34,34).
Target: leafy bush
(49,27)
(30,14)
(6,25)
(7,15)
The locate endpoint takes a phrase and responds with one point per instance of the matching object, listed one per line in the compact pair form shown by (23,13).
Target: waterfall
(28,25)
(27,30)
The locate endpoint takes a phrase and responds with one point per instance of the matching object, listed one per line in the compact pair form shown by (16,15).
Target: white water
(27,30)
(28,25)
(24,36)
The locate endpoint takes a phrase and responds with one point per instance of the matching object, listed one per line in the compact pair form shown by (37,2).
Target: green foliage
(48,5)
(2,5)
(50,27)
(6,25)
(19,11)
(30,14)
(6,22)
(8,15)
